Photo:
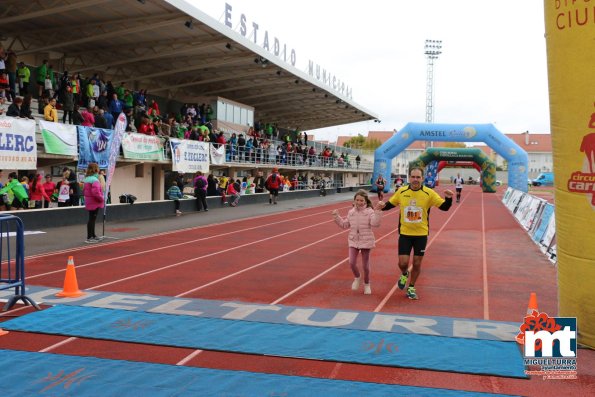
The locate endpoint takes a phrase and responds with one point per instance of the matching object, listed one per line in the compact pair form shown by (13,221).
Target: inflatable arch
(515,156)
(477,156)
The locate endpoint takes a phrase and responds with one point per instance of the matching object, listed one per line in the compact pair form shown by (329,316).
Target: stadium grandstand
(176,73)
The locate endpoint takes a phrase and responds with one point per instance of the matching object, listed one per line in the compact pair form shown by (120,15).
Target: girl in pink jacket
(360,220)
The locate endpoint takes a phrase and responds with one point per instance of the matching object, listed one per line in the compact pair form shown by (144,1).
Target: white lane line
(162,248)
(83,248)
(205,256)
(486,305)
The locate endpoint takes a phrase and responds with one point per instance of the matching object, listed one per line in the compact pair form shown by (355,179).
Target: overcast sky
(492,68)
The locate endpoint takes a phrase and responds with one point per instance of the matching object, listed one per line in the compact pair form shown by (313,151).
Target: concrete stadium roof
(148,44)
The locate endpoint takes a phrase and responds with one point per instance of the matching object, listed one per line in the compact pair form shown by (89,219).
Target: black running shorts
(418,243)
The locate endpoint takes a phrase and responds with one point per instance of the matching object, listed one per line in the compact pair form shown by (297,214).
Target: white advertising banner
(142,147)
(18,149)
(189,156)
(217,154)
(59,138)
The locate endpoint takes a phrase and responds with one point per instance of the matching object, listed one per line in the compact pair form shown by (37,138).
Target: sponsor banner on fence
(114,150)
(59,138)
(94,144)
(18,149)
(189,156)
(217,154)
(142,147)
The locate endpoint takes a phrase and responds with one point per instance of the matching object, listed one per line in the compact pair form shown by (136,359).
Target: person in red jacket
(233,191)
(360,220)
(37,192)
(273,183)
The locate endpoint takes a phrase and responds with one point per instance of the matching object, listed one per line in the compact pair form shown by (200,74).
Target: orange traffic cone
(530,309)
(532,303)
(71,286)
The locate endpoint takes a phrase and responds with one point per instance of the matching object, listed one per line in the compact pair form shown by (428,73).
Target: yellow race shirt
(415,209)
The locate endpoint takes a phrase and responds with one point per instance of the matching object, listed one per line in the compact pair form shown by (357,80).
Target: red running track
(479,264)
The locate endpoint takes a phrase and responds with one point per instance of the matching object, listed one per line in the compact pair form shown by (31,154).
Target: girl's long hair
(364,194)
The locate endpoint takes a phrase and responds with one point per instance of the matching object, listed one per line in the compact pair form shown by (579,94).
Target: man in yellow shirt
(49,112)
(415,201)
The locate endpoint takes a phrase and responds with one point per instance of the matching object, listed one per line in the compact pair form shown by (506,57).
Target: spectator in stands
(77,117)
(11,69)
(128,100)
(100,121)
(121,90)
(37,192)
(67,105)
(174,193)
(42,73)
(102,101)
(64,84)
(4,86)
(88,117)
(15,109)
(49,112)
(75,84)
(26,108)
(116,106)
(52,85)
(24,75)
(146,126)
(200,184)
(50,189)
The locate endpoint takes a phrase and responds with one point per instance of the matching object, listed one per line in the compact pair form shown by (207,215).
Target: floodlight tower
(433,49)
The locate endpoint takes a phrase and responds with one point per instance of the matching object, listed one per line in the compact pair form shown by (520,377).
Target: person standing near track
(380,184)
(360,220)
(273,183)
(93,200)
(415,201)
(200,191)
(458,181)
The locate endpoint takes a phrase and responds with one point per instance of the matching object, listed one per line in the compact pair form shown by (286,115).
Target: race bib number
(413,214)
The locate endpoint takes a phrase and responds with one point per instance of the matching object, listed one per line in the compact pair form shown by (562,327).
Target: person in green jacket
(14,187)
(24,74)
(42,74)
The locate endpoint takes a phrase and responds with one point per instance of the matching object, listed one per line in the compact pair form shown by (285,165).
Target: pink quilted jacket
(361,222)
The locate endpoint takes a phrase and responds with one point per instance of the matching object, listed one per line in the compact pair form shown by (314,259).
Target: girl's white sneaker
(367,289)
(355,284)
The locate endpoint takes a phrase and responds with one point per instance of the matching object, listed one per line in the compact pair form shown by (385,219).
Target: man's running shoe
(411,294)
(403,280)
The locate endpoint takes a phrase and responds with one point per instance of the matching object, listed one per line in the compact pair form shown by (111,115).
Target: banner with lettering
(189,156)
(570,39)
(142,147)
(18,149)
(114,150)
(59,138)
(94,144)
